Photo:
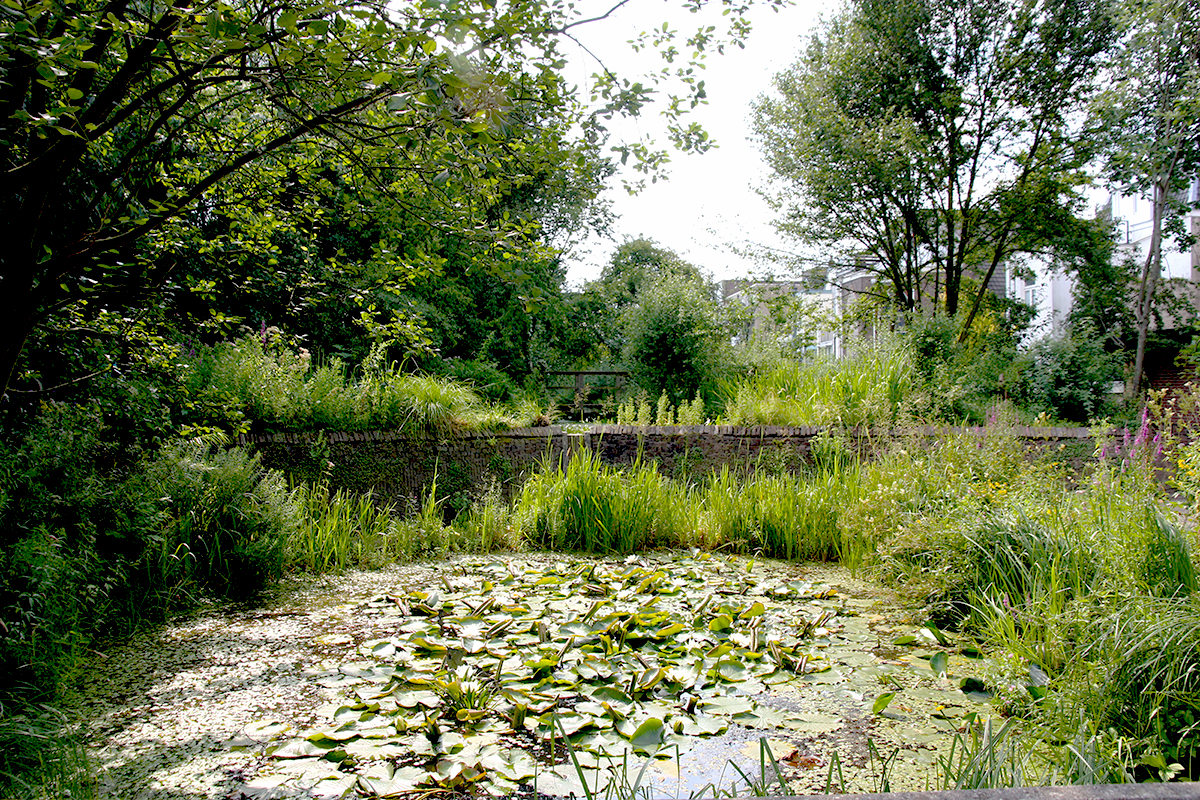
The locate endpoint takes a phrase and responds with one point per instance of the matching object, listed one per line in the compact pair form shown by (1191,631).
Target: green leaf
(732,671)
(721,622)
(937,633)
(939,663)
(882,702)
(648,736)
(756,610)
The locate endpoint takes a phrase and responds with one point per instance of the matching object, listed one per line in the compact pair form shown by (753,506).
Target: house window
(1032,295)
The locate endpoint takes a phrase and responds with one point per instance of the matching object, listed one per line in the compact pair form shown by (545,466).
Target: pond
(682,674)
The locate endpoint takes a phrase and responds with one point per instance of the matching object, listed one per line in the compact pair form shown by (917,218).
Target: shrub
(671,338)
(1066,377)
(43,756)
(486,379)
(70,518)
(1149,650)
(225,524)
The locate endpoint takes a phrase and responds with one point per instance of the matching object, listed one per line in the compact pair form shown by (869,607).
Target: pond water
(683,674)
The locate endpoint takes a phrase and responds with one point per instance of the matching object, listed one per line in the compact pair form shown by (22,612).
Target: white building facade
(1050,288)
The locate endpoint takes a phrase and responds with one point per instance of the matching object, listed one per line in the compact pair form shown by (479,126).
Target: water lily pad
(298,748)
(263,731)
(756,609)
(732,671)
(405,780)
(726,706)
(648,736)
(416,698)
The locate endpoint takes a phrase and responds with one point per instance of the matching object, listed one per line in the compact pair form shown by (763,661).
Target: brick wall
(399,468)
(699,449)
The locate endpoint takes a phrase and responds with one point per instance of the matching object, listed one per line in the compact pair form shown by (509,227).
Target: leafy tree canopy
(1149,120)
(926,141)
(135,136)
(635,265)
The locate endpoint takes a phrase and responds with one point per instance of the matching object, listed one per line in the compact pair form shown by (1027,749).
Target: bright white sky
(709,204)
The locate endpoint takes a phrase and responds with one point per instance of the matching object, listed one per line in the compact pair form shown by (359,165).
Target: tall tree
(123,123)
(929,141)
(1150,116)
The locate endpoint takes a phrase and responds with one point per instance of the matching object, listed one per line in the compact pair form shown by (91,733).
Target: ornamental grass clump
(1148,650)
(261,382)
(339,530)
(867,388)
(591,507)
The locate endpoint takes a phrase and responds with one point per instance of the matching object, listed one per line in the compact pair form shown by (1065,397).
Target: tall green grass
(339,530)
(779,516)
(592,507)
(43,758)
(596,508)
(248,382)
(866,389)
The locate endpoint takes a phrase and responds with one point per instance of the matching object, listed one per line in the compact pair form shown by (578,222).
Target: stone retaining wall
(400,468)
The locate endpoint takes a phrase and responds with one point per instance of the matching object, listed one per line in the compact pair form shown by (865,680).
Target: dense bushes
(1066,377)
(672,338)
(94,547)
(924,373)
(222,524)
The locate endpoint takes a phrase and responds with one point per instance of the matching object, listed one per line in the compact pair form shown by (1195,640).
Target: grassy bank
(1080,588)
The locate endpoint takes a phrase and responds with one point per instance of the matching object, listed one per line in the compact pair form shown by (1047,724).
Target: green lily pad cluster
(486,674)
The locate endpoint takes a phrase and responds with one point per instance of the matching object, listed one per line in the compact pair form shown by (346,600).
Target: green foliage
(593,508)
(72,518)
(665,412)
(1145,124)
(337,530)
(359,151)
(604,304)
(97,543)
(867,388)
(850,129)
(227,521)
(1149,649)
(779,516)
(672,336)
(43,758)
(277,388)
(1066,377)
(490,525)
(691,413)
(489,382)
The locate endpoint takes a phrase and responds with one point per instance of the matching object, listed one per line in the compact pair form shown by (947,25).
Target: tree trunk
(1146,287)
